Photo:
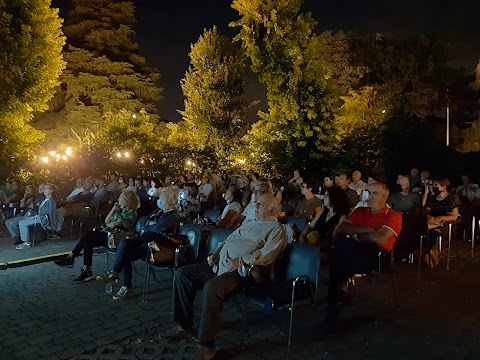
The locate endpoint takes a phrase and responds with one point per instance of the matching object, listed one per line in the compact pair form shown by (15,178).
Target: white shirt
(358,187)
(205,189)
(75,192)
(249,211)
(235,206)
(255,242)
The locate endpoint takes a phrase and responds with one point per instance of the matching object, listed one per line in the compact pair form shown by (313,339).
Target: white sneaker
(123,293)
(23,245)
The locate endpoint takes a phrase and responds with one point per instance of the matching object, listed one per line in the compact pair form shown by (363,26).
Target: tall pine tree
(105,72)
(214,90)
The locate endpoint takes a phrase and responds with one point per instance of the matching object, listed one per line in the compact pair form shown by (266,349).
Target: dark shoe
(17,240)
(67,261)
(84,276)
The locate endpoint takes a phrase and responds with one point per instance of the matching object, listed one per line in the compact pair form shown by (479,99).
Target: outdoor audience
(121,218)
(354,222)
(18,227)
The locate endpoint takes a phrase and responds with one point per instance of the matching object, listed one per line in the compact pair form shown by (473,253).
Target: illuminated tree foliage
(105,72)
(214,90)
(30,64)
(284,52)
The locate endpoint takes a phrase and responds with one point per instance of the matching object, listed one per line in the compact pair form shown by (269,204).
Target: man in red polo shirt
(357,243)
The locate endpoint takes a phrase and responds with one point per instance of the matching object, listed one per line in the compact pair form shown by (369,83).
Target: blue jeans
(131,249)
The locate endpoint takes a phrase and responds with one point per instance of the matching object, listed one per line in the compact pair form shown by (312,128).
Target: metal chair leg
(292,305)
(245,333)
(449,244)
(145,283)
(473,234)
(419,268)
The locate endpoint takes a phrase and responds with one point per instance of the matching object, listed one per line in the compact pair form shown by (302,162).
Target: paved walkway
(45,315)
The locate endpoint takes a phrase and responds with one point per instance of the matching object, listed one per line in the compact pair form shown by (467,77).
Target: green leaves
(214,90)
(32,41)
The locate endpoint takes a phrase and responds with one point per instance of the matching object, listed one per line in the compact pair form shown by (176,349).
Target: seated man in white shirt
(254,243)
(77,190)
(260,189)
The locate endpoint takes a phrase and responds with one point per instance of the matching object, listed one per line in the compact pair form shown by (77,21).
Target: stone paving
(45,315)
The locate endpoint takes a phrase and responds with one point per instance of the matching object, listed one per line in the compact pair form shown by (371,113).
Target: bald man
(256,242)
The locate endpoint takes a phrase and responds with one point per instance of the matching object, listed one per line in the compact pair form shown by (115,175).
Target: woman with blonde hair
(121,217)
(166,221)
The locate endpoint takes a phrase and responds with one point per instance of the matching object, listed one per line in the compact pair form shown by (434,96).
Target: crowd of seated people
(354,220)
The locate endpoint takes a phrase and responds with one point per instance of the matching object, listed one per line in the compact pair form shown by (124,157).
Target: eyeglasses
(47,188)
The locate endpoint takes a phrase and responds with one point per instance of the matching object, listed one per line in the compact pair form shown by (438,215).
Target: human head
(233,194)
(377,195)
(120,180)
(205,179)
(261,188)
(327,181)
(190,176)
(168,197)
(130,199)
(276,184)
(465,179)
(342,180)
(146,183)
(425,174)
(15,185)
(29,190)
(403,181)
(40,188)
(356,176)
(113,177)
(48,189)
(414,172)
(243,173)
(138,183)
(131,181)
(182,179)
(8,185)
(99,182)
(442,183)
(87,186)
(168,180)
(241,183)
(308,187)
(266,206)
(154,183)
(191,190)
(337,199)
(296,173)
(79,183)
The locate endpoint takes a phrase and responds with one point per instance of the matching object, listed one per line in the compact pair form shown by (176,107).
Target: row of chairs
(300,267)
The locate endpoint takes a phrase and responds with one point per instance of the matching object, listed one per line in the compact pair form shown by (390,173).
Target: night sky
(166,29)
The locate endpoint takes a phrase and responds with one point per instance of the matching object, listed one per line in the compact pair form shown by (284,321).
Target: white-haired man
(256,242)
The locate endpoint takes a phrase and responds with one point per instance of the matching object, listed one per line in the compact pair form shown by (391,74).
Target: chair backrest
(211,215)
(194,234)
(303,260)
(299,221)
(413,226)
(217,236)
